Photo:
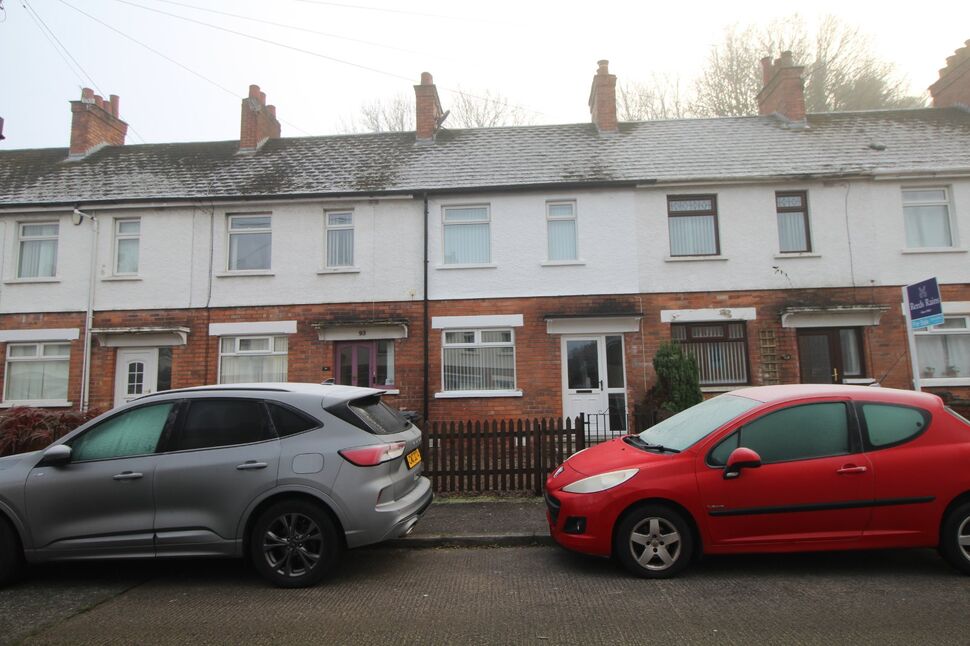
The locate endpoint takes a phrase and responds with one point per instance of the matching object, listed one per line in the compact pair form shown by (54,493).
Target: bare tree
(479,110)
(486,110)
(661,98)
(841,72)
(382,115)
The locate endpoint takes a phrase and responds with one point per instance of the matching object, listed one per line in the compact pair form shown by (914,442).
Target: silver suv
(286,474)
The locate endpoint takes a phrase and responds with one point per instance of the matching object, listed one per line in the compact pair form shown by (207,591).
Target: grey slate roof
(838,144)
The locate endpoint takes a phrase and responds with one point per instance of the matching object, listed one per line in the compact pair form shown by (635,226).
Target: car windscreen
(691,425)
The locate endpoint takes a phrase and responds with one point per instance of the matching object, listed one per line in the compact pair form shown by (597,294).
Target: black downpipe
(427,322)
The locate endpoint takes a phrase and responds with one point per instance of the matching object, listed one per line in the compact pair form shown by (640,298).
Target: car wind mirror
(56,455)
(741,458)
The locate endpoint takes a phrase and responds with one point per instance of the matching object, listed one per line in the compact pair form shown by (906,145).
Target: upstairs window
(720,349)
(927,215)
(479,360)
(250,242)
(252,359)
(340,239)
(127,242)
(561,230)
(467,238)
(38,250)
(793,235)
(692,220)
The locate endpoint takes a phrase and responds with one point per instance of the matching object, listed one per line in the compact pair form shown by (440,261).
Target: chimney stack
(602,99)
(427,105)
(783,91)
(953,87)
(258,122)
(95,123)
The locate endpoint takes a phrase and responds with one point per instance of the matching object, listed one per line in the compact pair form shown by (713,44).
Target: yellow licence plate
(414,458)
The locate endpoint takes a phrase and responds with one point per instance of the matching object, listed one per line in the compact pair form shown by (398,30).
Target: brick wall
(537,353)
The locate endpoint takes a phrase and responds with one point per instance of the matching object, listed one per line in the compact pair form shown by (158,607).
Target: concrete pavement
(468,522)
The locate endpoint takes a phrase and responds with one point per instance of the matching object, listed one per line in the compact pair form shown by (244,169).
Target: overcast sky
(319,61)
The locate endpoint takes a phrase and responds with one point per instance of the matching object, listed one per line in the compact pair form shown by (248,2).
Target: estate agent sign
(923,307)
(925,304)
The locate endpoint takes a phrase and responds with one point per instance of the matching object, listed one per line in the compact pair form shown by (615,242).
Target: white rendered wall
(607,248)
(174,263)
(867,212)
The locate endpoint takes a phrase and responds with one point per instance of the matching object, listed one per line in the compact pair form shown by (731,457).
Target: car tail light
(369,456)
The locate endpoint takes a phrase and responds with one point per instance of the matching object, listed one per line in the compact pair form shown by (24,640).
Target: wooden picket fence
(497,455)
(511,455)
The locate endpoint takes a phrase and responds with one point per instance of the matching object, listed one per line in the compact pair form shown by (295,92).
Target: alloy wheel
(963,538)
(292,544)
(655,543)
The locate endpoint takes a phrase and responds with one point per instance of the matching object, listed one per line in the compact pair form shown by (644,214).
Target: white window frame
(230,217)
(339,227)
(562,218)
(118,237)
(946,201)
(38,356)
(477,343)
(445,224)
(944,380)
(21,239)
(236,352)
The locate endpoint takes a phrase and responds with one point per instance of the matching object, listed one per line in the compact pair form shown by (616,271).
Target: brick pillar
(602,98)
(95,123)
(427,107)
(258,121)
(953,88)
(784,90)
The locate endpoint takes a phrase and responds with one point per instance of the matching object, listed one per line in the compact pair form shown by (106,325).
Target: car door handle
(128,475)
(251,465)
(851,468)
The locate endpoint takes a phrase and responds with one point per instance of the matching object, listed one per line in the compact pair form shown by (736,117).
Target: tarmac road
(520,595)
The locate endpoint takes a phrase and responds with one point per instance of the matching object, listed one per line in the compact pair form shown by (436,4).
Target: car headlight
(601,482)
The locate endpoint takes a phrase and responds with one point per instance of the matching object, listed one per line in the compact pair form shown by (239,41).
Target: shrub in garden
(678,382)
(28,429)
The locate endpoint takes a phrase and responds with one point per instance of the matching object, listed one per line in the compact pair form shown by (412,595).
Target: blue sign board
(925,304)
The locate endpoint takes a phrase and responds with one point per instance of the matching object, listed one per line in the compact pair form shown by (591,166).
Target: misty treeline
(841,73)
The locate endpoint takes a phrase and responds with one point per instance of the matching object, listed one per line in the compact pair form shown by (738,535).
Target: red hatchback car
(772,469)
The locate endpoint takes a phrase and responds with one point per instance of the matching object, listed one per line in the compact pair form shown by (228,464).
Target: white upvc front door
(594,382)
(136,373)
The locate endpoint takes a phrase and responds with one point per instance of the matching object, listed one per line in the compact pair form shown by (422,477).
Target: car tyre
(294,543)
(653,542)
(955,538)
(11,554)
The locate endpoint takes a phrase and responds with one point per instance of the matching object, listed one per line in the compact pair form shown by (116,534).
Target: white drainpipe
(89,317)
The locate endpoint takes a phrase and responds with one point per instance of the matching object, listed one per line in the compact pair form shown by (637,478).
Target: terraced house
(499,272)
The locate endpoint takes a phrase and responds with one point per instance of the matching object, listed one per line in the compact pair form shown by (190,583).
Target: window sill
(457,394)
(562,263)
(19,281)
(391,391)
(481,266)
(243,274)
(944,381)
(338,270)
(858,381)
(722,389)
(693,258)
(44,403)
(915,250)
(797,254)
(109,279)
